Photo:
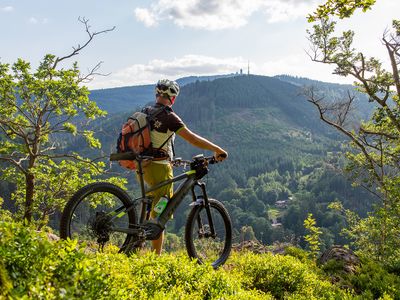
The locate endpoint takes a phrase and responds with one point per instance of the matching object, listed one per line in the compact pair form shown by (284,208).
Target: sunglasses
(165,88)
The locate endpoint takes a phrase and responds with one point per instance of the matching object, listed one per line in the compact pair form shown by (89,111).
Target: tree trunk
(29,192)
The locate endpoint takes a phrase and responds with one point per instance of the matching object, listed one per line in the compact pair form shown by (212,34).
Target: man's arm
(198,141)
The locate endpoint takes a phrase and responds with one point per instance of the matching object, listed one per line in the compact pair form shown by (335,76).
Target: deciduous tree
(374,157)
(38,109)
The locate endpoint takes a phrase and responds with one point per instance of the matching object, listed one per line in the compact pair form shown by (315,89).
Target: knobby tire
(223,240)
(83,195)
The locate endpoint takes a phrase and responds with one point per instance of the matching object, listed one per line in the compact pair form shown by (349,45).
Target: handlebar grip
(213,159)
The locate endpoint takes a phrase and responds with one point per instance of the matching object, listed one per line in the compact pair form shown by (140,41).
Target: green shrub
(371,281)
(31,267)
(285,277)
(298,253)
(40,269)
(374,279)
(5,283)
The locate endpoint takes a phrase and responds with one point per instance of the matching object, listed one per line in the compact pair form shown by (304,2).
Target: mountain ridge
(128,97)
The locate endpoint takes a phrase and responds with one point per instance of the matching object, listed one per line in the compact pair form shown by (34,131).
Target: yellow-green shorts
(154,173)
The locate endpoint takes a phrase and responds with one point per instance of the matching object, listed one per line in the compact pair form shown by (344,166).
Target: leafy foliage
(37,107)
(285,277)
(38,268)
(312,237)
(33,267)
(365,234)
(340,8)
(55,183)
(367,281)
(373,149)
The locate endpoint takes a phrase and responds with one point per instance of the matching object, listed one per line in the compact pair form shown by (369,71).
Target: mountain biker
(164,127)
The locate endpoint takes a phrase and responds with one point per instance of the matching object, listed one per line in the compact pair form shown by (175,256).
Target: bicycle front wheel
(95,215)
(200,241)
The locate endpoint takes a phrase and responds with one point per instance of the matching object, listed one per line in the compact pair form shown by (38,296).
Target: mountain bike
(102,213)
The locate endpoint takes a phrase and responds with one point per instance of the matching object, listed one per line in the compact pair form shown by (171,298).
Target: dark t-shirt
(164,126)
(166,120)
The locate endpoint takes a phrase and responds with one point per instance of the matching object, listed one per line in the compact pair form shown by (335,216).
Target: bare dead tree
(79,47)
(336,115)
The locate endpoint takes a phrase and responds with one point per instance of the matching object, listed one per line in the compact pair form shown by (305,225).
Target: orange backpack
(135,136)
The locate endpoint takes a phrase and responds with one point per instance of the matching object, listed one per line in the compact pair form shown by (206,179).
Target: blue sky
(175,38)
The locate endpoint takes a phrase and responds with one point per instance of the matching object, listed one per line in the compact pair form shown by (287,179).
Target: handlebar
(181,162)
(176,162)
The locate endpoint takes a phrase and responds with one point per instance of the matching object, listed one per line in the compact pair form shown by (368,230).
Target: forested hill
(278,150)
(257,118)
(125,98)
(281,101)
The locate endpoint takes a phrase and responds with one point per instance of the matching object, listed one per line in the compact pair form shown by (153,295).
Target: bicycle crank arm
(153,230)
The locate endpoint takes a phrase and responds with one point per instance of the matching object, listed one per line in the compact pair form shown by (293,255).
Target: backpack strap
(154,114)
(150,116)
(162,145)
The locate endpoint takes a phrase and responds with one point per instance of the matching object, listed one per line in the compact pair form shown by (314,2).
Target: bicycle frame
(153,228)
(175,200)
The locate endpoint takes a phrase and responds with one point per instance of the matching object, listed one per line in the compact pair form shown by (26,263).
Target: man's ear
(172,99)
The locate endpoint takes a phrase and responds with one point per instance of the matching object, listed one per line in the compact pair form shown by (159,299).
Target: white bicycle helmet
(167,88)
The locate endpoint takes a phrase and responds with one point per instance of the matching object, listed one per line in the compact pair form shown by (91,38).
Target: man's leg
(154,174)
(157,244)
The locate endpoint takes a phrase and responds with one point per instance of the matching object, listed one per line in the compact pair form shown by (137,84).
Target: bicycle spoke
(99,216)
(93,224)
(207,246)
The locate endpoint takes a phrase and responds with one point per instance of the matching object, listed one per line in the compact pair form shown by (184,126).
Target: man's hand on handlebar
(220,154)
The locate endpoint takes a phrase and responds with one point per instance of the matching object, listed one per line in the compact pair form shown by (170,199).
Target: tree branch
(75,157)
(93,72)
(18,164)
(312,98)
(21,134)
(50,148)
(77,49)
(391,51)
(387,135)
(54,128)
(20,110)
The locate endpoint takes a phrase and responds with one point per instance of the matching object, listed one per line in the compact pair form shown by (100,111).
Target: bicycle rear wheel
(200,243)
(88,217)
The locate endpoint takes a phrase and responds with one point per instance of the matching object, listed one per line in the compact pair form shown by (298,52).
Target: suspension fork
(206,204)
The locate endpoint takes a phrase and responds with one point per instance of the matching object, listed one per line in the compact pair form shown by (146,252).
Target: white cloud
(221,14)
(298,65)
(33,20)
(283,11)
(187,65)
(145,16)
(198,65)
(7,9)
